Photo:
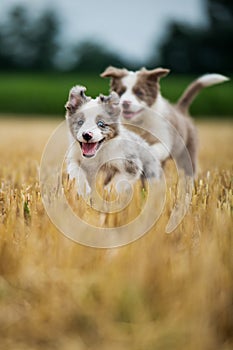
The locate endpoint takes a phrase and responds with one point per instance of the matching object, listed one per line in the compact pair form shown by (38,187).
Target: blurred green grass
(45,94)
(42,94)
(213,101)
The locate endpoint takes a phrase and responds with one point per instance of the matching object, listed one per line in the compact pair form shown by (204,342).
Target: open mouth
(130,114)
(89,149)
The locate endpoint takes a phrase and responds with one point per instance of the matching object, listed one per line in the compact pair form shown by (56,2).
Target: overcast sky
(128,27)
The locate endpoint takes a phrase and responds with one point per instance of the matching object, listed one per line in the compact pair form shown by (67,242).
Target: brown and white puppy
(98,141)
(145,109)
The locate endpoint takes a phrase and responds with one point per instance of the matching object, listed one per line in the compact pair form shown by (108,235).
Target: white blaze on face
(135,106)
(90,111)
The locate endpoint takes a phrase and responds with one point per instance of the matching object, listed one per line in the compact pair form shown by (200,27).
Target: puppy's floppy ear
(77,98)
(114,72)
(111,103)
(112,99)
(155,74)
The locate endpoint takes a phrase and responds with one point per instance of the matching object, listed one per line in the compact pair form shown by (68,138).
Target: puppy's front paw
(84,190)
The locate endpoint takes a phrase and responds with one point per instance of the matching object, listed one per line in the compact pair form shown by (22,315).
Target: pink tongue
(128,115)
(89,149)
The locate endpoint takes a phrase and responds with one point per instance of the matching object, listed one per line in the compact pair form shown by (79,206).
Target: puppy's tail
(194,88)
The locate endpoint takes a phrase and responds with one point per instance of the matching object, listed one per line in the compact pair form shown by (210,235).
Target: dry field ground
(161,292)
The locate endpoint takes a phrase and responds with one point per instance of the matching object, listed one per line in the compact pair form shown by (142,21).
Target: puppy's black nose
(126,104)
(87,135)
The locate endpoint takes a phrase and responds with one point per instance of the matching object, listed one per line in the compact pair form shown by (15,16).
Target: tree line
(34,44)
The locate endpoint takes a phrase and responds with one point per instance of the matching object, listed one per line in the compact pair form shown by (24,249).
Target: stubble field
(161,292)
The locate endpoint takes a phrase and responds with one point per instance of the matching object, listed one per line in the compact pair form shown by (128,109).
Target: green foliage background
(45,94)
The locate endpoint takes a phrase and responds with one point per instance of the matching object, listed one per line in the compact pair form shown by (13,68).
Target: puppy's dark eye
(120,92)
(80,122)
(101,124)
(138,93)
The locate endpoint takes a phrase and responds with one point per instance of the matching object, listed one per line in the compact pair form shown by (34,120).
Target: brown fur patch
(146,135)
(147,85)
(186,99)
(73,122)
(117,86)
(111,128)
(110,172)
(146,89)
(130,167)
(155,74)
(114,72)
(77,98)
